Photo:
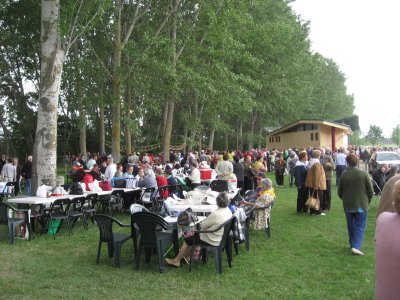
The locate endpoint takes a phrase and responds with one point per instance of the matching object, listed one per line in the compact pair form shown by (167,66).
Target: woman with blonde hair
(387,250)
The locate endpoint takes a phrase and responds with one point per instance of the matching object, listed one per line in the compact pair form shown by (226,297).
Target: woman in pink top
(387,251)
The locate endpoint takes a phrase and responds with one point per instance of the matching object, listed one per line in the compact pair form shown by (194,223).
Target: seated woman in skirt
(213,221)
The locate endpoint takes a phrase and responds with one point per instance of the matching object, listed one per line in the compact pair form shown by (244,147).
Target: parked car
(383,157)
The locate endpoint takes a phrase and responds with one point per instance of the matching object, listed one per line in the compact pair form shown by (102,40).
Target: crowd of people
(309,170)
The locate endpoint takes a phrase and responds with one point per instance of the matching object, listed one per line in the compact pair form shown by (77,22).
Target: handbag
(76,189)
(120,183)
(105,185)
(186,217)
(313,202)
(252,172)
(94,186)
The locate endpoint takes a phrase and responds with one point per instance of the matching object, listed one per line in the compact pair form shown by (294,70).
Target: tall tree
(53,52)
(374,134)
(396,135)
(52,59)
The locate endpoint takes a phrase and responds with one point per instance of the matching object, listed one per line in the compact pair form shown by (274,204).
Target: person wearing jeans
(355,190)
(356,222)
(26,173)
(340,164)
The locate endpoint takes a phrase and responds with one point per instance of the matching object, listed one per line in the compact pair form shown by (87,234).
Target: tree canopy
(209,74)
(374,134)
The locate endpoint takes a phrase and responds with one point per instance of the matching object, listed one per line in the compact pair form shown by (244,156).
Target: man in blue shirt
(340,164)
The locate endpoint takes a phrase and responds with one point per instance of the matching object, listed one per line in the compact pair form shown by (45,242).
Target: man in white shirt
(111,168)
(194,179)
(340,164)
(9,172)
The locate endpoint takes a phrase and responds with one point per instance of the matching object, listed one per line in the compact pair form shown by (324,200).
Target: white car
(383,157)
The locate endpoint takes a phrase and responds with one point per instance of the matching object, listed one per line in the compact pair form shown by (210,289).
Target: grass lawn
(306,258)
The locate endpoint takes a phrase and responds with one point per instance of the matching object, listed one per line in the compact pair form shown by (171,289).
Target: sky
(362,37)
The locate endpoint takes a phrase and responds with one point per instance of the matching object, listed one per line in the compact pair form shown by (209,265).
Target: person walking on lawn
(355,190)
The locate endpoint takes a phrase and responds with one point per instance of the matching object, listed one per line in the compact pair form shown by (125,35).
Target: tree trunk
(226,140)
(241,135)
(116,104)
(52,58)
(6,133)
(211,140)
(102,130)
(200,145)
(171,101)
(79,96)
(260,137)
(168,130)
(185,133)
(237,140)
(254,118)
(82,132)
(158,132)
(128,133)
(164,122)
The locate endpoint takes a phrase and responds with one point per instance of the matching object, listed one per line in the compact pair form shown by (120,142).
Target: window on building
(312,136)
(279,139)
(316,136)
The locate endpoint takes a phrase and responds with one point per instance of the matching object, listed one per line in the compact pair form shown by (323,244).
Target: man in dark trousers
(26,173)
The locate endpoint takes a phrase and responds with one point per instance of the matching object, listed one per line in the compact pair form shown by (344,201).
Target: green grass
(306,258)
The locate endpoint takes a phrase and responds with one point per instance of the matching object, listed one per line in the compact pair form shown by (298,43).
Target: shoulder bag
(313,202)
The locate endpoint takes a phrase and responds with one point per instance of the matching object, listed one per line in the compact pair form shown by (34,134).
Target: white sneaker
(356,251)
(322,214)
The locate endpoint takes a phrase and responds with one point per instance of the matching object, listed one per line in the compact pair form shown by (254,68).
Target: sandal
(172,263)
(186,260)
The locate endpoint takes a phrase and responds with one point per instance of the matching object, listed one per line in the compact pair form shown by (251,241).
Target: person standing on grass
(340,164)
(9,172)
(355,190)
(280,167)
(291,162)
(387,250)
(18,176)
(328,165)
(27,175)
(300,176)
(386,199)
(316,182)
(238,169)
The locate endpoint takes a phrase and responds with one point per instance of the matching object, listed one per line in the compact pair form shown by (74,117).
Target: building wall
(326,135)
(302,139)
